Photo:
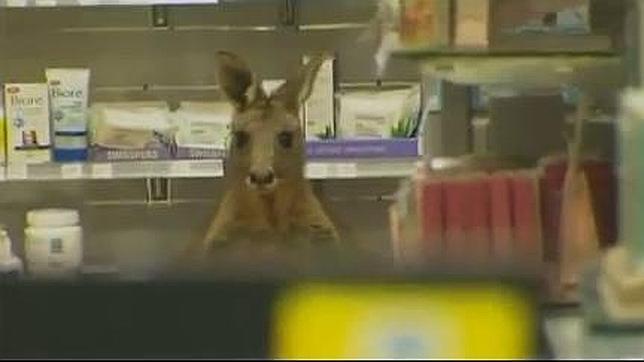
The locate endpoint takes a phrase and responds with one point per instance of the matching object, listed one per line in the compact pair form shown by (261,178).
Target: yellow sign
(358,321)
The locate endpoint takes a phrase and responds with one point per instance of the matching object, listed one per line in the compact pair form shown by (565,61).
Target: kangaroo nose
(262,179)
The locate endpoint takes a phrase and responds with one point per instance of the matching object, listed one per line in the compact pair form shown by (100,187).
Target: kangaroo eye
(240,139)
(285,139)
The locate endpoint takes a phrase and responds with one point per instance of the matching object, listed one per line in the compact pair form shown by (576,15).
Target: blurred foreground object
(483,211)
(322,315)
(452,320)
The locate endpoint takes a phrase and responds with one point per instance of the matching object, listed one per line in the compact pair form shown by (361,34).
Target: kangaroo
(268,198)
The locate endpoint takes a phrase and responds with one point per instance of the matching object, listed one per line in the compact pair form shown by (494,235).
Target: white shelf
(317,170)
(73,3)
(526,71)
(115,170)
(520,69)
(358,169)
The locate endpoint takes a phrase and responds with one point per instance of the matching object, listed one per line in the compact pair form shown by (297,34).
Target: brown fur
(288,212)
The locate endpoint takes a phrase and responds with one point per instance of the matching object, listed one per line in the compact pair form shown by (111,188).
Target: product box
(425,23)
(69,97)
(431,203)
(473,23)
(319,109)
(28,127)
(379,114)
(526,216)
(502,233)
(364,148)
(528,25)
(374,123)
(131,132)
(203,129)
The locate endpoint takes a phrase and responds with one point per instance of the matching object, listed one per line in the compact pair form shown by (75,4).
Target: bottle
(11,267)
(53,243)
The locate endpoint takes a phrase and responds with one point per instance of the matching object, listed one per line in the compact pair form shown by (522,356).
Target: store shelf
(73,3)
(345,169)
(116,170)
(519,69)
(354,169)
(422,53)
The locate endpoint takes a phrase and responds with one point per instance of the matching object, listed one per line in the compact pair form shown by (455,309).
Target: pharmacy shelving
(317,170)
(544,69)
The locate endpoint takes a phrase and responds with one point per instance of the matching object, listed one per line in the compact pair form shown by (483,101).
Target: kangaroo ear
(297,89)
(237,81)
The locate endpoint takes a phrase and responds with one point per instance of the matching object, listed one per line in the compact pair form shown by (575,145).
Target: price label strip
(343,170)
(180,169)
(326,170)
(16,3)
(71,171)
(46,3)
(317,170)
(17,172)
(102,171)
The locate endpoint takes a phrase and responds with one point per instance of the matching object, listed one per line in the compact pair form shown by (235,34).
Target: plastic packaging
(11,266)
(53,243)
(123,127)
(69,94)
(203,125)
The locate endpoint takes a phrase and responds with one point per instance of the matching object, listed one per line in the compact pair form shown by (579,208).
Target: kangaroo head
(267,145)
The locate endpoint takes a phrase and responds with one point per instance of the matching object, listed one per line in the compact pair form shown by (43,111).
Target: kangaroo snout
(262,179)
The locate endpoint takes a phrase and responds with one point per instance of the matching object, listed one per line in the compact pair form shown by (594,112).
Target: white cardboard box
(319,110)
(28,127)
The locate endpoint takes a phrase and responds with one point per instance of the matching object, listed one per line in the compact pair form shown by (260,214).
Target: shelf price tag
(46,3)
(180,168)
(197,168)
(71,171)
(16,3)
(316,170)
(325,170)
(102,170)
(343,170)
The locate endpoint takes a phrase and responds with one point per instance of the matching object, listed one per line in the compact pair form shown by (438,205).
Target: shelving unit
(136,56)
(318,170)
(536,69)
(591,72)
